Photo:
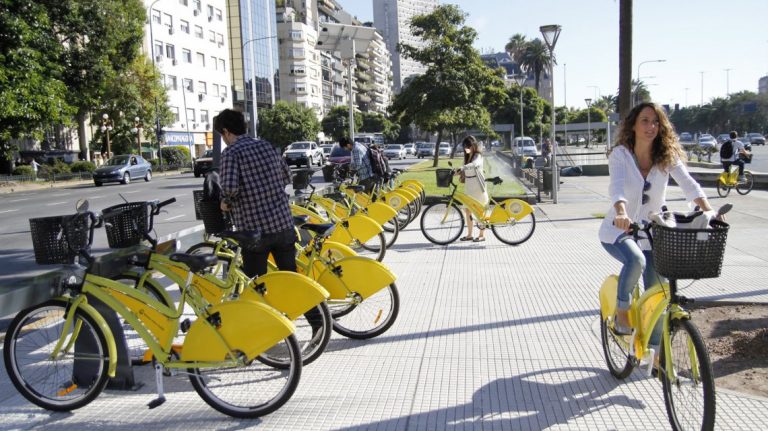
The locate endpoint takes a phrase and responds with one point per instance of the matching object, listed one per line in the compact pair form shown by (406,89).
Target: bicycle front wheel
(689,388)
(78,373)
(615,350)
(252,390)
(722,189)
(368,318)
(313,332)
(442,223)
(374,248)
(515,232)
(744,187)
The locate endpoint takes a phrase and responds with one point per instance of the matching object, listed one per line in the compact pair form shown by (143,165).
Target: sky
(692,36)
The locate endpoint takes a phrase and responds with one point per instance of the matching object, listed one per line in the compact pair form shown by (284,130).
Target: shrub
(24,170)
(57,168)
(82,166)
(177,155)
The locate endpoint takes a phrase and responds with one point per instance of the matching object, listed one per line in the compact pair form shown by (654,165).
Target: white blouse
(626,184)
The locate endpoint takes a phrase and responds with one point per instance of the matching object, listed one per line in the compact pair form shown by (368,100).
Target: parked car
(339,155)
(426,150)
(394,151)
(707,142)
(326,150)
(304,153)
(444,149)
(123,169)
(524,146)
(410,149)
(756,138)
(747,143)
(203,163)
(686,137)
(722,138)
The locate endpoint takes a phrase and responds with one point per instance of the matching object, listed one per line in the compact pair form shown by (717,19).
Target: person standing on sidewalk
(734,156)
(360,163)
(646,154)
(253,180)
(474,183)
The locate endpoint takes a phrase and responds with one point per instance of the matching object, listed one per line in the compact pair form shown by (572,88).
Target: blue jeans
(635,261)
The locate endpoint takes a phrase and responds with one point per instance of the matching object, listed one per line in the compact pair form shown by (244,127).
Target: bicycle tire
(65,383)
(369,318)
(252,390)
(415,206)
(722,189)
(376,247)
(391,230)
(745,187)
(515,232)
(403,216)
(442,223)
(681,405)
(616,351)
(311,343)
(136,345)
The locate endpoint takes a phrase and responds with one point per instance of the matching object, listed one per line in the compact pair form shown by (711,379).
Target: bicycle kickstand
(159,380)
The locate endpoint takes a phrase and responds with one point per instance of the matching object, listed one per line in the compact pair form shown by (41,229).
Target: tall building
(762,85)
(254,55)
(392,19)
(188,42)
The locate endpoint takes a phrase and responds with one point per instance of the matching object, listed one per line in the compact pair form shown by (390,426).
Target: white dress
(474,184)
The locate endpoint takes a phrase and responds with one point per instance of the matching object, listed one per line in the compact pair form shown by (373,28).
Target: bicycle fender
(99,319)
(313,216)
(608,292)
(515,208)
(288,292)
(361,228)
(356,275)
(397,199)
(361,199)
(234,326)
(416,185)
(380,212)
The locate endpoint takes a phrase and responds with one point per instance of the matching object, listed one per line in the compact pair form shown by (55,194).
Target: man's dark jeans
(737,162)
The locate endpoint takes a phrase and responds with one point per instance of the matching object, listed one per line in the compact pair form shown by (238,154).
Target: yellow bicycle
(730,180)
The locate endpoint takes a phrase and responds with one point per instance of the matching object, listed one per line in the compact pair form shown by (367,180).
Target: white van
(524,146)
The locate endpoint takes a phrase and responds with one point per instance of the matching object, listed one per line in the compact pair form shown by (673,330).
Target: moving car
(426,150)
(123,169)
(756,138)
(394,151)
(444,149)
(410,149)
(524,146)
(304,153)
(722,138)
(326,150)
(685,136)
(339,155)
(203,163)
(707,142)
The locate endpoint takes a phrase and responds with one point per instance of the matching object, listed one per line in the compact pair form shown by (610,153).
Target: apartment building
(188,42)
(391,18)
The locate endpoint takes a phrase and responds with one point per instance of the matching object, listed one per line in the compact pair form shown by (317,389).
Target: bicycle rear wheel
(616,351)
(442,223)
(71,380)
(745,187)
(252,390)
(369,318)
(313,332)
(515,232)
(690,394)
(375,248)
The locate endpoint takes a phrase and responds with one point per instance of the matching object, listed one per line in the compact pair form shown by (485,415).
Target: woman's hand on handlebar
(622,221)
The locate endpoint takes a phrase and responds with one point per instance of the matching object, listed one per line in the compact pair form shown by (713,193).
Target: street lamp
(589,121)
(106,126)
(551,33)
(638,73)
(520,79)
(137,126)
(255,120)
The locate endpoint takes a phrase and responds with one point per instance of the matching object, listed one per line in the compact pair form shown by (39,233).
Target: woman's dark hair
(666,148)
(344,141)
(231,120)
(470,142)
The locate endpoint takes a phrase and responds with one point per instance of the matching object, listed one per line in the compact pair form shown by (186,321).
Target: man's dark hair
(231,120)
(344,142)
(734,134)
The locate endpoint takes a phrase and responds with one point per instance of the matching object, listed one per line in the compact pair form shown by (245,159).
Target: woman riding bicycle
(474,182)
(646,153)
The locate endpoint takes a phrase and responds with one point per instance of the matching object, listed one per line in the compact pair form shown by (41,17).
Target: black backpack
(726,150)
(379,165)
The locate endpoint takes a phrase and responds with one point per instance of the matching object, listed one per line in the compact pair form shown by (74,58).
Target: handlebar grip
(166,202)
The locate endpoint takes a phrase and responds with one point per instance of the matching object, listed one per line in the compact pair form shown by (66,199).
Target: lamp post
(520,79)
(589,121)
(106,126)
(638,73)
(137,126)
(551,33)
(727,86)
(254,122)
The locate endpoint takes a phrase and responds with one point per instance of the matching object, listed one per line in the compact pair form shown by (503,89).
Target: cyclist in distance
(646,154)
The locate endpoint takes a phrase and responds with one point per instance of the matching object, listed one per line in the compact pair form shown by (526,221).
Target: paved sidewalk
(488,337)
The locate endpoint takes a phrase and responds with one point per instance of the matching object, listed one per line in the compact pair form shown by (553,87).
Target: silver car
(123,169)
(707,142)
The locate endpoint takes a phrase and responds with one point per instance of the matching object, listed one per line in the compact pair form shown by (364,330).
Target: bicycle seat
(397,170)
(320,229)
(495,180)
(299,220)
(356,188)
(196,263)
(242,237)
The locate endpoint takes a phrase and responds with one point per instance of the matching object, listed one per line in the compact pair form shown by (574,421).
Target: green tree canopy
(533,110)
(336,122)
(535,58)
(288,122)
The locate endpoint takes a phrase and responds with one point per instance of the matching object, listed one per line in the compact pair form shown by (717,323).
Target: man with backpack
(729,154)
(360,162)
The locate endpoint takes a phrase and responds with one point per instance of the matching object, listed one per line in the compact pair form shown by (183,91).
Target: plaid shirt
(360,161)
(253,180)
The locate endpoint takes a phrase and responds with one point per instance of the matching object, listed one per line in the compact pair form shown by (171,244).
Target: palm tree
(607,104)
(535,58)
(516,46)
(640,92)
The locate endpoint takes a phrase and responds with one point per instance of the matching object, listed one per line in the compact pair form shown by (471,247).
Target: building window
(186,55)
(170,83)
(197,4)
(175,112)
(219,15)
(215,63)
(296,53)
(168,21)
(159,50)
(210,13)
(188,86)
(190,116)
(156,16)
(202,87)
(215,89)
(222,65)
(201,59)
(212,36)
(223,91)
(170,51)
(184,2)
(296,35)
(198,32)
(184,26)
(203,116)
(298,69)
(220,39)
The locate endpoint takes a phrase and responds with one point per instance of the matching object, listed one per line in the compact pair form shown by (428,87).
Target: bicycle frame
(493,213)
(730,178)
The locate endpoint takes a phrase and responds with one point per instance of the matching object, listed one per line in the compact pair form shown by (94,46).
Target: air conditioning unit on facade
(196,12)
(158,58)
(175,62)
(210,18)
(221,44)
(223,98)
(170,30)
(201,97)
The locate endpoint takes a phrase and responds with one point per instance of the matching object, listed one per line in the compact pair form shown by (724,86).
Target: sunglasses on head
(646,187)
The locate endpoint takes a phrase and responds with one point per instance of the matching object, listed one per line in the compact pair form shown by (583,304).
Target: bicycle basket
(212,216)
(50,236)
(197,196)
(443,177)
(689,253)
(126,223)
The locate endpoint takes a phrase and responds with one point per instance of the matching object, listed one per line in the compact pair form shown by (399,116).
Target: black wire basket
(126,224)
(197,196)
(212,216)
(681,254)
(443,177)
(56,240)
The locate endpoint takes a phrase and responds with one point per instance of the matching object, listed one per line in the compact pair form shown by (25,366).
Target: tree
(288,122)
(516,46)
(533,110)
(336,122)
(640,92)
(607,103)
(535,58)
(457,86)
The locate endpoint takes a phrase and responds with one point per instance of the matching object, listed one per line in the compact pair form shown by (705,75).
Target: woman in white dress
(474,183)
